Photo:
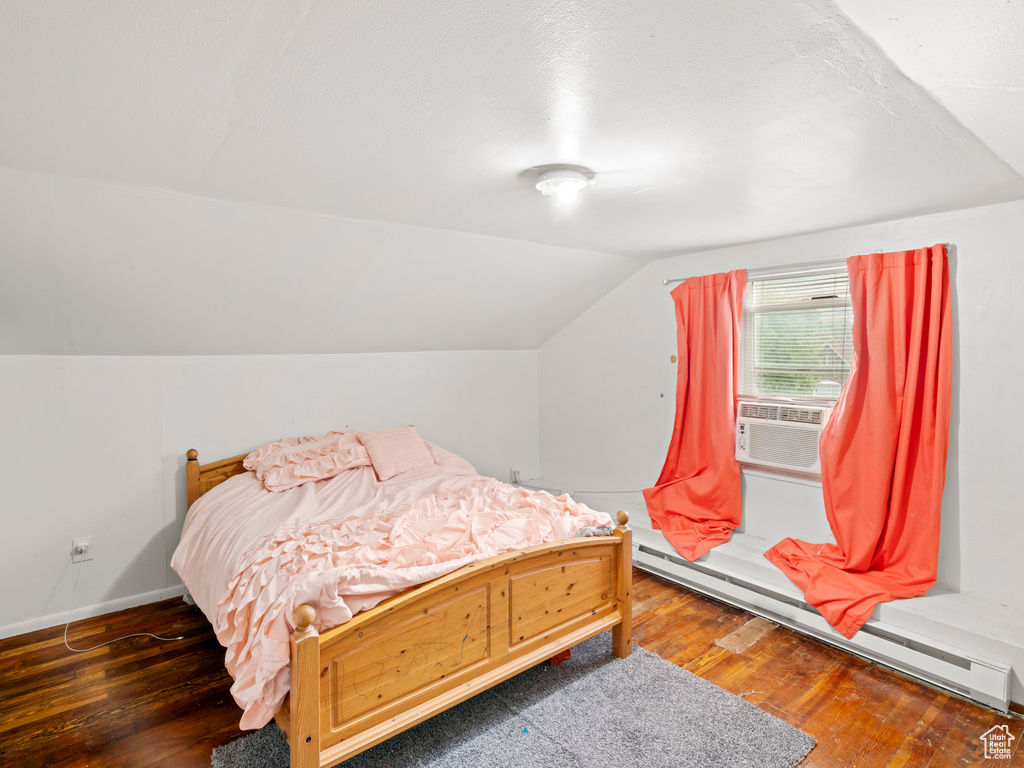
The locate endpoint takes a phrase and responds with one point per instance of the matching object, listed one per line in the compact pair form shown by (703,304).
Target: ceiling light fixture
(563,184)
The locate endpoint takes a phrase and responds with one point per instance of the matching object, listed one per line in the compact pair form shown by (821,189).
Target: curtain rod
(788,270)
(791,270)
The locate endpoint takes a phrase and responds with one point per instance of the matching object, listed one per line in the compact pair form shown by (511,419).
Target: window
(797,333)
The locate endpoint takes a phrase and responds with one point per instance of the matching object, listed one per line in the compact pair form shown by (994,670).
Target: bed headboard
(199,478)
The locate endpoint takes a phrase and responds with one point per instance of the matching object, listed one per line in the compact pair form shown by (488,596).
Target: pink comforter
(250,557)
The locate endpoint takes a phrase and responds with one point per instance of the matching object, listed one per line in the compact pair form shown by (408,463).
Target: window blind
(797,334)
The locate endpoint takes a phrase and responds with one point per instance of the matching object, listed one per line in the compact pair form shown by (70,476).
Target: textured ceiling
(706,123)
(969,56)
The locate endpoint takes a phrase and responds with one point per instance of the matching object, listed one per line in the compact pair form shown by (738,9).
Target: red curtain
(883,452)
(696,502)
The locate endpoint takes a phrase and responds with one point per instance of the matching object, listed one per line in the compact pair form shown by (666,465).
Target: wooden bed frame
(433,646)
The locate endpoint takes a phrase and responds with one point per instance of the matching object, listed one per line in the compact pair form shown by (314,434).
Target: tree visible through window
(797,337)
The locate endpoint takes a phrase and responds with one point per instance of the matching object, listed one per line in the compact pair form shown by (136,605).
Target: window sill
(810,480)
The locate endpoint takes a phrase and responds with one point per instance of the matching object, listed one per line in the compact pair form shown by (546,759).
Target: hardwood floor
(143,703)
(138,702)
(862,714)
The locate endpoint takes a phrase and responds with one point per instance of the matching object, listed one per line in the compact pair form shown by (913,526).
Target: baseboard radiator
(962,673)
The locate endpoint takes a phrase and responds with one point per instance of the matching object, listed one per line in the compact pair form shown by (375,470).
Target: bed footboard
(432,647)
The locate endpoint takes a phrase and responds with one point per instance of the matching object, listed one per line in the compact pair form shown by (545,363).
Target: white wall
(607,389)
(93,268)
(94,446)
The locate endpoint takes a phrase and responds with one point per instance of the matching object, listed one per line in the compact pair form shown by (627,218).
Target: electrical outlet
(81,549)
(514,474)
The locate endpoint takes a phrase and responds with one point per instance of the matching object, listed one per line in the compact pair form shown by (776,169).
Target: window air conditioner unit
(779,436)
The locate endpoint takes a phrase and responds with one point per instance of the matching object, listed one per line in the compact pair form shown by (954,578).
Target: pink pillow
(394,451)
(296,460)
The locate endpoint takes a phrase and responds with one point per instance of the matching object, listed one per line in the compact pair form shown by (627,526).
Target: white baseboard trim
(90,611)
(981,679)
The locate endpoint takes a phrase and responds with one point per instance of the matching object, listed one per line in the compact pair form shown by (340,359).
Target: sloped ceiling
(264,176)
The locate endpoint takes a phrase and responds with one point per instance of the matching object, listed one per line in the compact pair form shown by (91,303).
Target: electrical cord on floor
(74,590)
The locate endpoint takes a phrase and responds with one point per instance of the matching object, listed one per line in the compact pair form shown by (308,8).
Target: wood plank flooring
(143,703)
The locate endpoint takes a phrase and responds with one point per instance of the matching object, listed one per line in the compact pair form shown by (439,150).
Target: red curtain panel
(883,452)
(696,502)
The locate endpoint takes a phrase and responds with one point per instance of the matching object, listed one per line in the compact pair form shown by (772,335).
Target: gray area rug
(592,710)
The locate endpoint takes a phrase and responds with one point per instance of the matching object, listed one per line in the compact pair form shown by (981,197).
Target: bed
(430,646)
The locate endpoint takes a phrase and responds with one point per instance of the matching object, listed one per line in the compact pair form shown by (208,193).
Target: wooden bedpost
(304,698)
(191,477)
(622,633)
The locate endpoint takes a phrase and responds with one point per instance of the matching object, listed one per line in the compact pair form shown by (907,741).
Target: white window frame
(746,383)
